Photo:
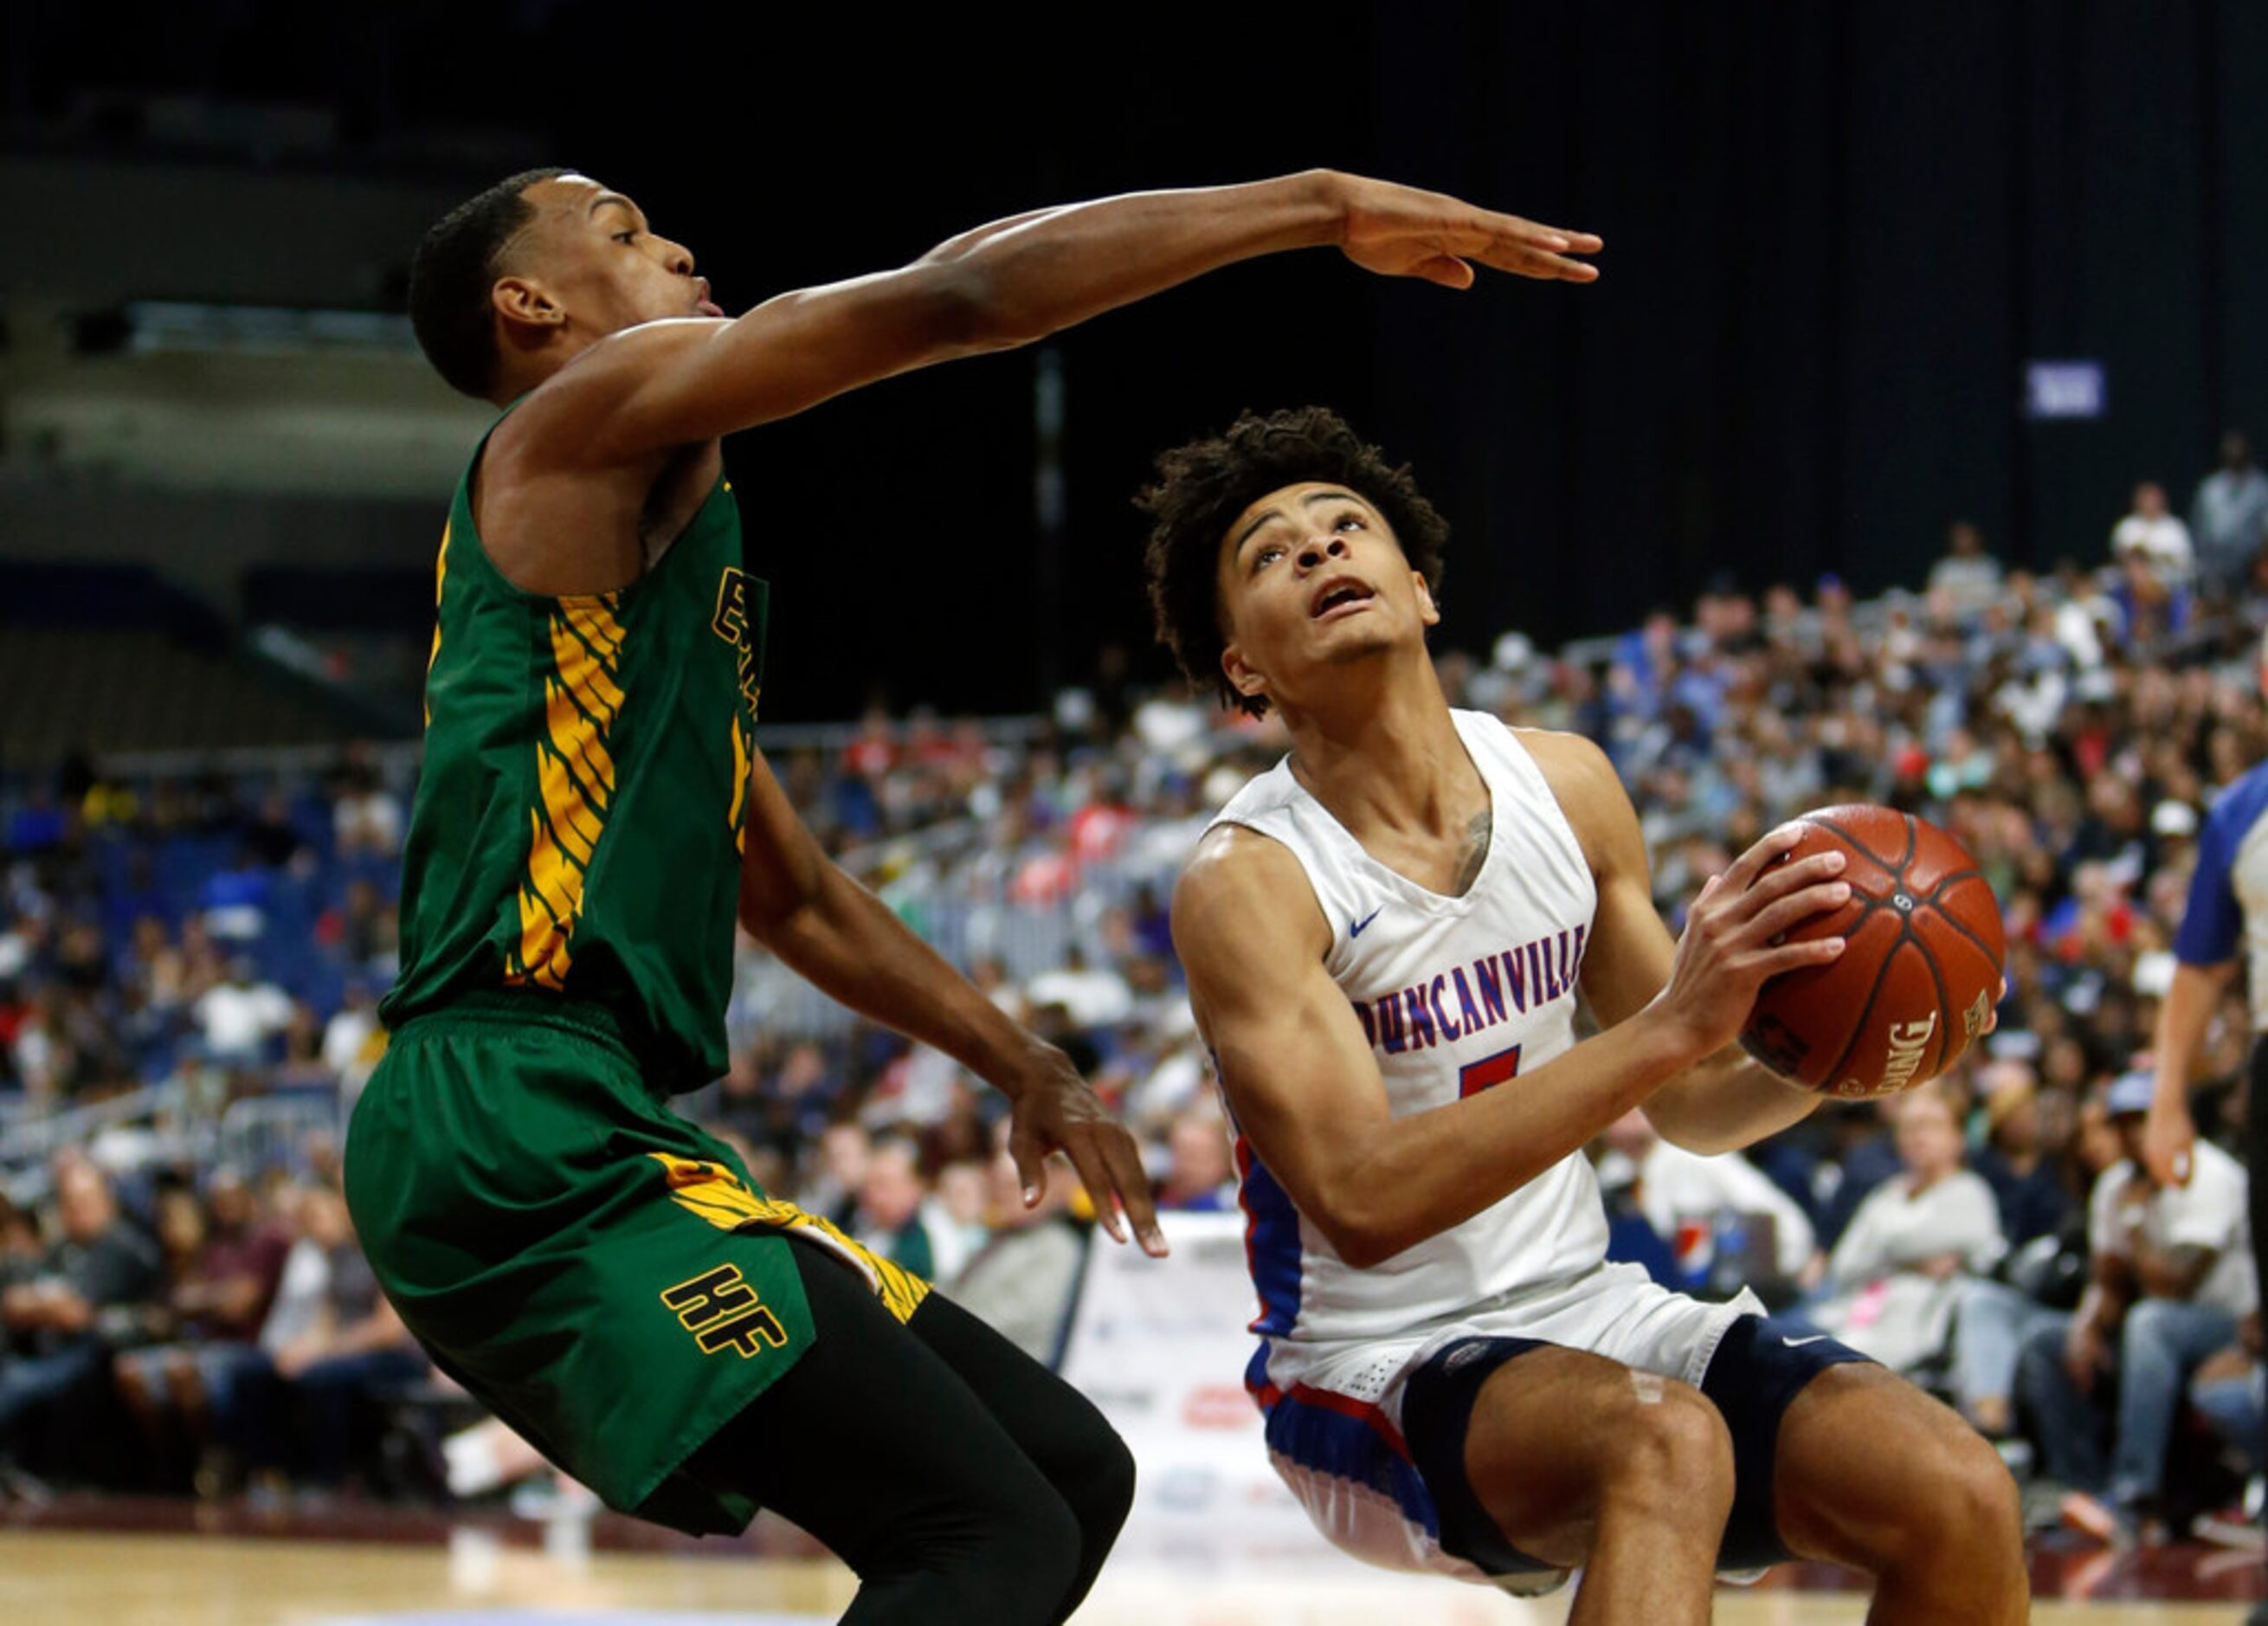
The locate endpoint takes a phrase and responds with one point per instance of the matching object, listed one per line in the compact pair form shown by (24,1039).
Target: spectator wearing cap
(2014,1159)
(2171,1278)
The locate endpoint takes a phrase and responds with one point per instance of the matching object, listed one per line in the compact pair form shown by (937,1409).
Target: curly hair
(456,266)
(1202,487)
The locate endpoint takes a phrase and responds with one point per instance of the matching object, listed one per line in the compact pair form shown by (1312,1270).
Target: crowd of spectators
(225,939)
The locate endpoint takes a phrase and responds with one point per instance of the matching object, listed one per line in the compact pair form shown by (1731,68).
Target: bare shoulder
(566,422)
(1243,893)
(1589,792)
(1571,764)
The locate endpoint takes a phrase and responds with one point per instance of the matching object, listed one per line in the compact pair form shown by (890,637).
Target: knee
(1671,1453)
(1102,1491)
(1969,1513)
(2148,1330)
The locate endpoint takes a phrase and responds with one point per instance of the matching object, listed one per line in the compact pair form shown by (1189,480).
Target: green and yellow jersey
(578,822)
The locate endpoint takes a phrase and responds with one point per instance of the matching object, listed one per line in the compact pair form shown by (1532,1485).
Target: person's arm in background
(2213,925)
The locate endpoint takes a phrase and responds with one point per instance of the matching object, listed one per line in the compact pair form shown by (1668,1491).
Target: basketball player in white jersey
(1385,938)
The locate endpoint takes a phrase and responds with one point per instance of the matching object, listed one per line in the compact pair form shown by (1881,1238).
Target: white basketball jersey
(1456,996)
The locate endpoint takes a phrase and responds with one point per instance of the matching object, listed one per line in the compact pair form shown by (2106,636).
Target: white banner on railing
(1161,1347)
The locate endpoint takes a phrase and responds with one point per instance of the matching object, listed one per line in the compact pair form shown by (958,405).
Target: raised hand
(1402,232)
(1731,946)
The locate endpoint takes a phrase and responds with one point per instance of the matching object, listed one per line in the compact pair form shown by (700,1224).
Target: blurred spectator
(1021,1281)
(2227,1391)
(956,1214)
(241,1016)
(1199,1175)
(831,1190)
(1967,578)
(1897,1272)
(210,1319)
(1093,996)
(2026,1182)
(365,818)
(65,1317)
(1682,1195)
(356,1352)
(2172,1277)
(2155,536)
(2228,517)
(889,1217)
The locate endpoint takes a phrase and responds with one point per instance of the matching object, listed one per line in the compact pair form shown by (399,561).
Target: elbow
(1361,1234)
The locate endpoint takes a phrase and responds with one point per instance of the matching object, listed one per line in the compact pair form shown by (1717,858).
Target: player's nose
(1319,549)
(677,256)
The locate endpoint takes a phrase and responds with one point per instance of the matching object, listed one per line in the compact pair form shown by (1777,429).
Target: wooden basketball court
(474,1578)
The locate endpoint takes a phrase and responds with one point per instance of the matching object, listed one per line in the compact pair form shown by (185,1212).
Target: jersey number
(1488,1072)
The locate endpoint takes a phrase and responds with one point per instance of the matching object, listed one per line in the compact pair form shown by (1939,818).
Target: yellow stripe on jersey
(441,576)
(741,765)
(587,673)
(726,1201)
(575,781)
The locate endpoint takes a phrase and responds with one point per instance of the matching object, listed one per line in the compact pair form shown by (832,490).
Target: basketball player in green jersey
(595,817)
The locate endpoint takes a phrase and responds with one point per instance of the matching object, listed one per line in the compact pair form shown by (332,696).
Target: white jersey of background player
(1385,937)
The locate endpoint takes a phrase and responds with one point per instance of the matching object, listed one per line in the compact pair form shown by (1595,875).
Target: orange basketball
(1919,972)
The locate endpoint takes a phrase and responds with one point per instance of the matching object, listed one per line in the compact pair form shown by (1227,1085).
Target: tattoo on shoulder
(1476,849)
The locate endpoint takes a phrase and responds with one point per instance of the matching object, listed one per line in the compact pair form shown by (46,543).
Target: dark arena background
(1897,455)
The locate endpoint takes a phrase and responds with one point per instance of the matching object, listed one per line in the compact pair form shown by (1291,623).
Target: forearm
(1726,1102)
(1038,273)
(845,942)
(1398,1182)
(2182,1022)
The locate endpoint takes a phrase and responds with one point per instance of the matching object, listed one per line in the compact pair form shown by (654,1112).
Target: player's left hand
(1056,1112)
(1398,231)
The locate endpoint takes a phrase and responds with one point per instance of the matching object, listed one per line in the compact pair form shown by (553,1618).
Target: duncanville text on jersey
(1469,998)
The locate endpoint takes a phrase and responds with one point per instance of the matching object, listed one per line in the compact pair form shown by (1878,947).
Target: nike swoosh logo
(1798,1344)
(1355,930)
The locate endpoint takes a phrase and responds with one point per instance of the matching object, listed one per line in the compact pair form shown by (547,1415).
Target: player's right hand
(1399,231)
(1729,949)
(2169,1138)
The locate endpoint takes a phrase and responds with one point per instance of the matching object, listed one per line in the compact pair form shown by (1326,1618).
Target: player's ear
(1428,612)
(1247,680)
(525,303)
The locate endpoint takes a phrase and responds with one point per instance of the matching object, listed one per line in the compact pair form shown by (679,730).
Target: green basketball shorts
(600,1274)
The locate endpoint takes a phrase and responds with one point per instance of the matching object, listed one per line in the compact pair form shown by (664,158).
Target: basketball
(1919,973)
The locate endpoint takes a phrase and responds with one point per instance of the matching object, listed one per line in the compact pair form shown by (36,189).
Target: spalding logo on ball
(1918,973)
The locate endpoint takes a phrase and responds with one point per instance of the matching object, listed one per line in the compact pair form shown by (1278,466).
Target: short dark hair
(456,266)
(1202,487)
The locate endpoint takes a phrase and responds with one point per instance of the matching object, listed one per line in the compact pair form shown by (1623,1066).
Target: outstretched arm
(845,941)
(1305,1090)
(1723,1101)
(651,388)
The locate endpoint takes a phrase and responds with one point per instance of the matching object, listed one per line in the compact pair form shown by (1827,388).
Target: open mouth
(1342,595)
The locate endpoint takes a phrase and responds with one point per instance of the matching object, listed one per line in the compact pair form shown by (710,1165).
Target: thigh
(1515,1439)
(875,1442)
(1051,1423)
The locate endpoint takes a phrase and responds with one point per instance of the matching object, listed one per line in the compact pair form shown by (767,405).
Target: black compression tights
(961,1479)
